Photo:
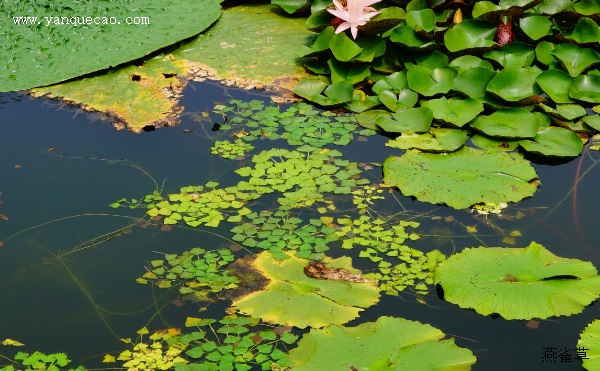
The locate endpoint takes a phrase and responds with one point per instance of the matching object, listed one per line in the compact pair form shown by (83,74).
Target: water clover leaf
(518,283)
(387,344)
(294,299)
(492,177)
(231,150)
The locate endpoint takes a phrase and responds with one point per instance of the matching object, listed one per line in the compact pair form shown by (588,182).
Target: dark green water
(57,200)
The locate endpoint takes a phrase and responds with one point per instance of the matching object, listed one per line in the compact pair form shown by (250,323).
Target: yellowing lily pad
(389,344)
(249,47)
(518,283)
(293,299)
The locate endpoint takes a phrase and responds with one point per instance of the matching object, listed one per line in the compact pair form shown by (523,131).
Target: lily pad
(590,341)
(412,119)
(292,298)
(518,283)
(430,82)
(437,140)
(473,82)
(320,93)
(556,84)
(64,45)
(501,144)
(515,84)
(388,344)
(586,31)
(470,35)
(586,88)
(554,141)
(456,112)
(491,177)
(508,123)
(575,59)
(512,55)
(535,26)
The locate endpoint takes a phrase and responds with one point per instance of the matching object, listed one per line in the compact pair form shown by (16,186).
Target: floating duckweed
(231,150)
(382,244)
(203,273)
(279,232)
(300,124)
(229,344)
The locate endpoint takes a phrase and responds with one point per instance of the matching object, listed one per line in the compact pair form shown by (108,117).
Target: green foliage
(589,340)
(299,124)
(232,343)
(45,53)
(518,283)
(231,150)
(411,65)
(279,233)
(203,273)
(399,266)
(392,344)
(41,362)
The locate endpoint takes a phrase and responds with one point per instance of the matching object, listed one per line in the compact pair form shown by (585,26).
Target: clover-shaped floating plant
(492,176)
(399,266)
(231,150)
(200,273)
(518,283)
(232,343)
(40,361)
(299,124)
(387,344)
(293,298)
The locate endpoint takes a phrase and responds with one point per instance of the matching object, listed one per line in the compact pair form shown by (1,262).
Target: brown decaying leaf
(534,324)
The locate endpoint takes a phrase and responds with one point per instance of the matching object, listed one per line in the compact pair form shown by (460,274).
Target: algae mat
(250,46)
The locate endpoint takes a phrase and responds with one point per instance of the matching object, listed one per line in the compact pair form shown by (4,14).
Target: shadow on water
(68,284)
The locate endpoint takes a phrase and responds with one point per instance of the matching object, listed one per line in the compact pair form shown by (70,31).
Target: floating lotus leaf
(421,20)
(409,38)
(556,84)
(321,44)
(511,8)
(372,47)
(437,140)
(501,144)
(565,112)
(470,35)
(48,52)
(343,48)
(433,60)
(430,82)
(587,7)
(387,344)
(593,121)
(417,120)
(456,112)
(586,31)
(586,88)
(552,6)
(515,84)
(535,26)
(350,73)
(508,123)
(575,59)
(291,298)
(512,55)
(543,53)
(333,94)
(467,62)
(554,141)
(518,283)
(491,177)
(393,92)
(473,82)
(590,341)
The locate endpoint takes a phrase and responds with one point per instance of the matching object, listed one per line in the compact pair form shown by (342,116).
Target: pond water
(67,273)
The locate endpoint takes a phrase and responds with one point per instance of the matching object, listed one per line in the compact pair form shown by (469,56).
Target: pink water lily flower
(358,12)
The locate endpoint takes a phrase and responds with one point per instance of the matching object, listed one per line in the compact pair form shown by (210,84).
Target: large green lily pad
(554,141)
(222,53)
(590,341)
(518,283)
(508,123)
(50,50)
(292,298)
(387,344)
(466,177)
